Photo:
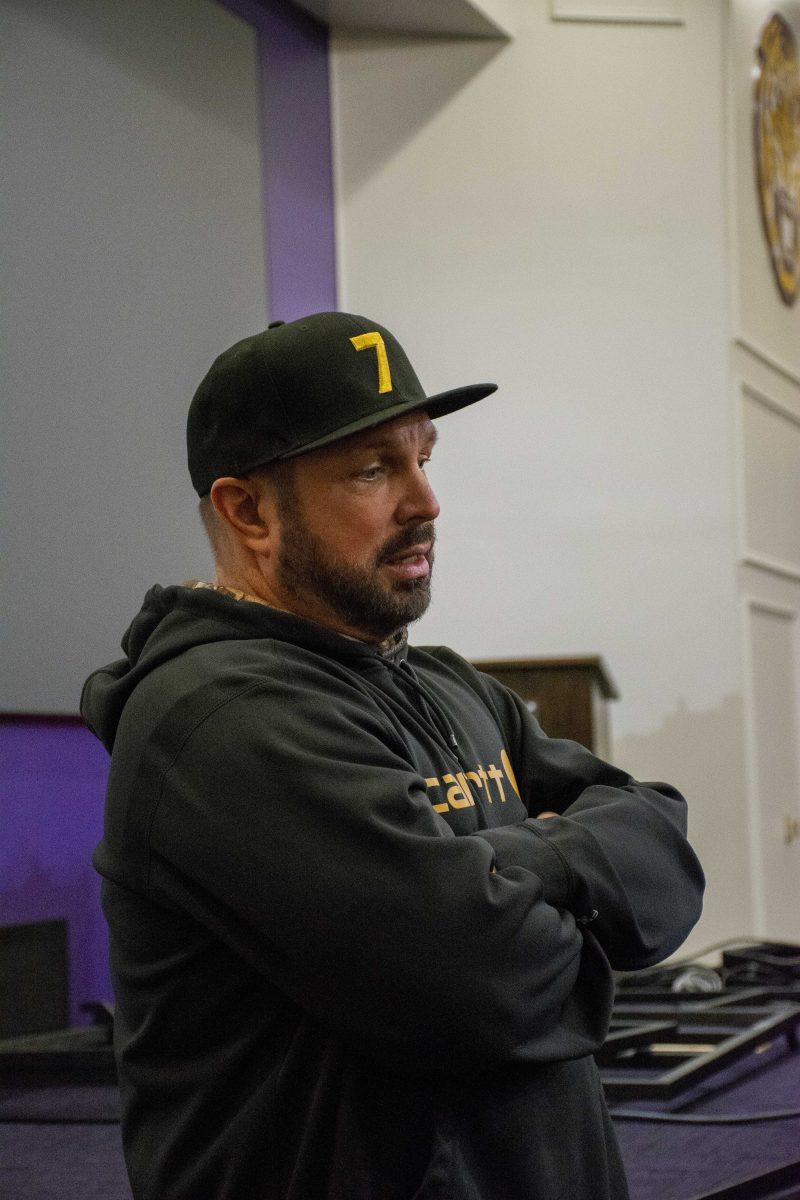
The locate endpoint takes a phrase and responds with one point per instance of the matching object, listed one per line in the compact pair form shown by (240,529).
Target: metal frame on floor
(703,1036)
(779,1183)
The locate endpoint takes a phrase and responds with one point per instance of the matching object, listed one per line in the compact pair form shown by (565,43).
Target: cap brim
(447,402)
(435,406)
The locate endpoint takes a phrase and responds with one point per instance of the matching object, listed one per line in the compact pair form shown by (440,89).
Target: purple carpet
(676,1162)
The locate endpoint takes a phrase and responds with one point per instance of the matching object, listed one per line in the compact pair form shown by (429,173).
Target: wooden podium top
(592,663)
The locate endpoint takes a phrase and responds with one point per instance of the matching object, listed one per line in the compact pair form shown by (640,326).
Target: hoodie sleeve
(623,842)
(290,823)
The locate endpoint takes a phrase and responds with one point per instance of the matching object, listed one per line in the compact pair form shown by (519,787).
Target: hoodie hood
(177,618)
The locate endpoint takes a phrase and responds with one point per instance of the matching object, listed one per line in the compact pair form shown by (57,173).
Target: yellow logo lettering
(434,783)
(363,342)
(461,776)
(459,793)
(509,770)
(497,776)
(457,797)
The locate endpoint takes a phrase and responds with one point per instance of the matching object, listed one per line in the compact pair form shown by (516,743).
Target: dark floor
(675,1162)
(56,1161)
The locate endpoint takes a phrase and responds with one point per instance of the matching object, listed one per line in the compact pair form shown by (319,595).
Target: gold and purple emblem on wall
(777,146)
(777,149)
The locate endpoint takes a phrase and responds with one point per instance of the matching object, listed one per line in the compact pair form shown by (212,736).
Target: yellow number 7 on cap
(363,342)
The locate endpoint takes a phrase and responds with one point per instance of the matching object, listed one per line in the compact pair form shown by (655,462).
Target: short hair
(279,474)
(208,515)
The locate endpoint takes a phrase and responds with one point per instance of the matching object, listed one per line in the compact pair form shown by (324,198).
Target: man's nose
(419,502)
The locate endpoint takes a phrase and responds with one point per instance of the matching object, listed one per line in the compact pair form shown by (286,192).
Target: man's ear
(246,511)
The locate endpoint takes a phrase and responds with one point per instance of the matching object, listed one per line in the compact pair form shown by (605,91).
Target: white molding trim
(778,407)
(774,566)
(739,469)
(754,840)
(750,346)
(340,256)
(785,611)
(730,165)
(618,12)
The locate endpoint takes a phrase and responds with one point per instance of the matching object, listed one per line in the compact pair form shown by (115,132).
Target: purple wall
(53,771)
(52,781)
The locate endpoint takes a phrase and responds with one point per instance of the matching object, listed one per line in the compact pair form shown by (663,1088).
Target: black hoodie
(347,963)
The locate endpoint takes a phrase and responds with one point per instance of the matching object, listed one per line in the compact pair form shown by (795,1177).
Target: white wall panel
(774,676)
(771,447)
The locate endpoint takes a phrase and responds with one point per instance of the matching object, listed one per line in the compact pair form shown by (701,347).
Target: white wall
(551,214)
(765,406)
(134,252)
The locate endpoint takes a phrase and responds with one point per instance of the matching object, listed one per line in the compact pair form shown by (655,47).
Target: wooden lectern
(568,696)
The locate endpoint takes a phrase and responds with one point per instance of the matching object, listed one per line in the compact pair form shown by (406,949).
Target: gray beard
(354,594)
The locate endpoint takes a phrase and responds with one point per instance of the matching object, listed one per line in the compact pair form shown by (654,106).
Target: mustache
(406,539)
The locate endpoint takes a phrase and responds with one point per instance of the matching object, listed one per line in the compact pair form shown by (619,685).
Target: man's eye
(369,473)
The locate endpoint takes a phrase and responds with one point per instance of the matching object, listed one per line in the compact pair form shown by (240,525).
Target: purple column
(299,229)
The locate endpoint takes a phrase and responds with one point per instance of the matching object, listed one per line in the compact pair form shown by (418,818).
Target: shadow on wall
(145,35)
(421,84)
(702,754)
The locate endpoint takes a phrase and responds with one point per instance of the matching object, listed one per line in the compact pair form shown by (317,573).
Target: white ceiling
(459,18)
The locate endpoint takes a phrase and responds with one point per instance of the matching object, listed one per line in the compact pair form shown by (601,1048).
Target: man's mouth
(411,563)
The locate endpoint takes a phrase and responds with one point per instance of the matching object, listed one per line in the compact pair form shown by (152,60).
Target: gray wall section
(134,252)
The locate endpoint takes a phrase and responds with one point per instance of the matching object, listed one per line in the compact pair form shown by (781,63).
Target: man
(363,913)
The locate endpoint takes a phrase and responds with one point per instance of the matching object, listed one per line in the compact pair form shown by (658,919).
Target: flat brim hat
(301,385)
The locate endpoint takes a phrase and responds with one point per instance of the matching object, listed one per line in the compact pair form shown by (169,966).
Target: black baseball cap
(300,385)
